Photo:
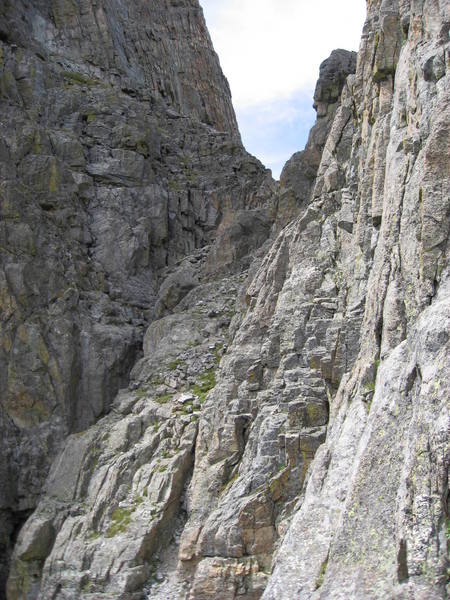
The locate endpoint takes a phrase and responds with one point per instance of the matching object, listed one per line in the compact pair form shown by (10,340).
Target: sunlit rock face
(371,522)
(282,351)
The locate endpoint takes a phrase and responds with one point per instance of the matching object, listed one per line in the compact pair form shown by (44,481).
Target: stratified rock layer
(285,434)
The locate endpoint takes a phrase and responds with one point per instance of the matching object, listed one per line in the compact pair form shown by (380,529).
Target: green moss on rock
(205,383)
(164,399)
(80,79)
(321,577)
(120,520)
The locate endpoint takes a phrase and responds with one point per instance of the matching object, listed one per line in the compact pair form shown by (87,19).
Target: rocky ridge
(286,432)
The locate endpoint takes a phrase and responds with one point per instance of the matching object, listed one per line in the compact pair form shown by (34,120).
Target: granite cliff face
(285,432)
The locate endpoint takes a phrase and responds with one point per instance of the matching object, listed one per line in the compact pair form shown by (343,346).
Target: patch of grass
(229,483)
(164,399)
(174,186)
(142,147)
(87,586)
(141,392)
(205,383)
(120,518)
(54,181)
(23,577)
(175,364)
(370,387)
(94,535)
(321,577)
(193,177)
(217,355)
(79,78)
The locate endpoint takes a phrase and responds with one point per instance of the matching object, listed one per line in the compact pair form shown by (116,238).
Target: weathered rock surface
(116,494)
(286,432)
(372,522)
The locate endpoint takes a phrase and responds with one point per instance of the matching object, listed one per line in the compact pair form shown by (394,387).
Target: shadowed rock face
(285,432)
(146,49)
(119,155)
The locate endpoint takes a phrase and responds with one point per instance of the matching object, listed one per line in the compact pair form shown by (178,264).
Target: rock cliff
(119,155)
(284,432)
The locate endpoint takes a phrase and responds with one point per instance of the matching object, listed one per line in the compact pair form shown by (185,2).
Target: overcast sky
(270,52)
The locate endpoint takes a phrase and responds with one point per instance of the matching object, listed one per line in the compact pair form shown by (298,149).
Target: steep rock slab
(268,414)
(372,521)
(79,558)
(339,290)
(115,495)
(153,50)
(339,307)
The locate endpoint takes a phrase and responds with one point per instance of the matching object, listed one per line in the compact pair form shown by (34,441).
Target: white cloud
(279,111)
(273,131)
(270,49)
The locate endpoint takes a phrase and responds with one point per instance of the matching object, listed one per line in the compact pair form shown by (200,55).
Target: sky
(270,52)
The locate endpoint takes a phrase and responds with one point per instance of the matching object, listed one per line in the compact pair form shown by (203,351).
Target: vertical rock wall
(119,155)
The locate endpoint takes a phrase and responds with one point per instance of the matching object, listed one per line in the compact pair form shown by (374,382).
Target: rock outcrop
(299,173)
(285,433)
